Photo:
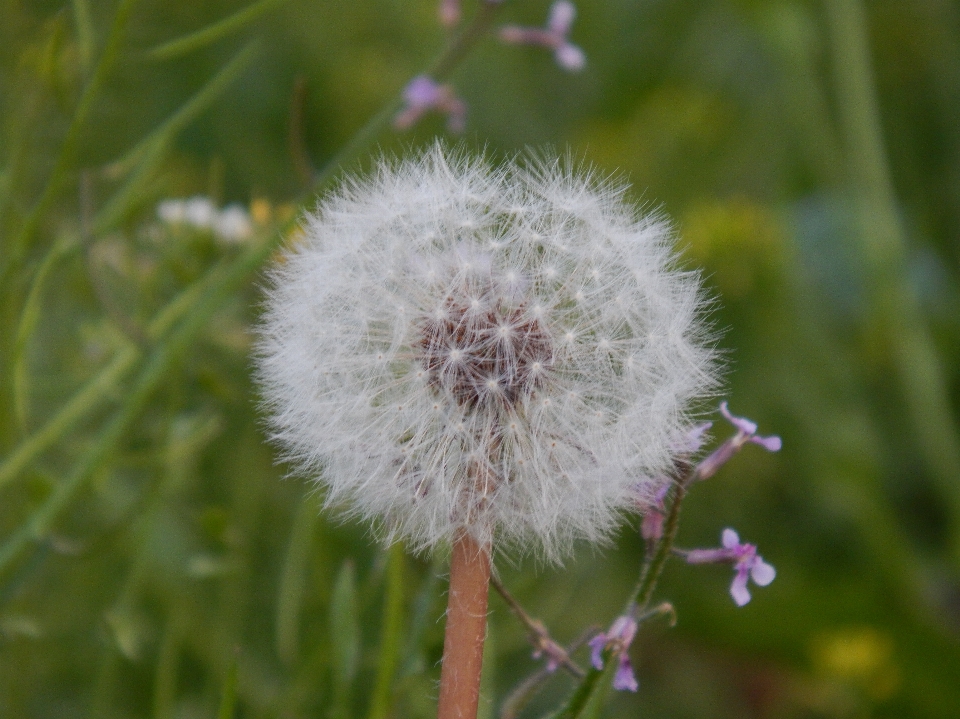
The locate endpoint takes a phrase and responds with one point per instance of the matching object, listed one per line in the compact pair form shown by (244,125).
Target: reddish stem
(466,629)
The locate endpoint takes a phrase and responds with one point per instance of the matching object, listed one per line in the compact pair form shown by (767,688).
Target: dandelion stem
(466,629)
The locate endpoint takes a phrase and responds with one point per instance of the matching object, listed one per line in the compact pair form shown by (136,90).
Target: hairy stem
(539,636)
(466,629)
(641,594)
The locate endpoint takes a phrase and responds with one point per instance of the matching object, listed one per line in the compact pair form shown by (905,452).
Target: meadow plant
(489,363)
(493,358)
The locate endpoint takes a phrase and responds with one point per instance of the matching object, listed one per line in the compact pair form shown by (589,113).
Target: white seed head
(461,347)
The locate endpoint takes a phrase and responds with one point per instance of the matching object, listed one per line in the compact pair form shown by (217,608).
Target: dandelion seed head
(421,358)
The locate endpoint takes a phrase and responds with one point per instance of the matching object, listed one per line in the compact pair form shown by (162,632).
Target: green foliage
(155,562)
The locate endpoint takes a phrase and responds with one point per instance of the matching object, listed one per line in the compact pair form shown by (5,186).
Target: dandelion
(470,354)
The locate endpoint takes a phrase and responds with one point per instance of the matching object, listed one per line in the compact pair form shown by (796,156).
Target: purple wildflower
(550,650)
(553,36)
(746,432)
(421,95)
(449,12)
(618,637)
(746,562)
(651,526)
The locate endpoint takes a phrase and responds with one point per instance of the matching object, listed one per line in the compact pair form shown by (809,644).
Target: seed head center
(484,357)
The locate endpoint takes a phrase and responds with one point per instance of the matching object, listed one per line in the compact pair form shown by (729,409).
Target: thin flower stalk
(544,644)
(667,523)
(653,567)
(523,692)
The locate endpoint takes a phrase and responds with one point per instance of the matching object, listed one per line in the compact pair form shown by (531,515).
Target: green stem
(640,596)
(464,42)
(212,33)
(71,141)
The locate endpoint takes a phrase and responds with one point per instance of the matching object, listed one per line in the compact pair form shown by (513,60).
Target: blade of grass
(392,633)
(29,318)
(228,694)
(85,41)
(165,675)
(100,388)
(212,33)
(292,580)
(71,141)
(883,244)
(345,637)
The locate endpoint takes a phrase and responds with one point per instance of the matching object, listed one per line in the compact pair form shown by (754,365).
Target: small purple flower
(421,95)
(551,653)
(746,432)
(619,637)
(746,562)
(651,526)
(449,12)
(553,36)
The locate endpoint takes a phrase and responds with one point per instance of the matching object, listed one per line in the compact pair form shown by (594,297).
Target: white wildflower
(507,351)
(233,224)
(173,212)
(200,212)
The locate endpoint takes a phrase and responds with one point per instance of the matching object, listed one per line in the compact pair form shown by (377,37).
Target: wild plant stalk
(609,659)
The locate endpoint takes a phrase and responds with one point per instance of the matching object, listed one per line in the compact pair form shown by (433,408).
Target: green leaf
(212,33)
(29,318)
(345,637)
(392,633)
(292,580)
(228,694)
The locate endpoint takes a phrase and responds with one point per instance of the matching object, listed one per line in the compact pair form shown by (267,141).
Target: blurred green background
(809,152)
